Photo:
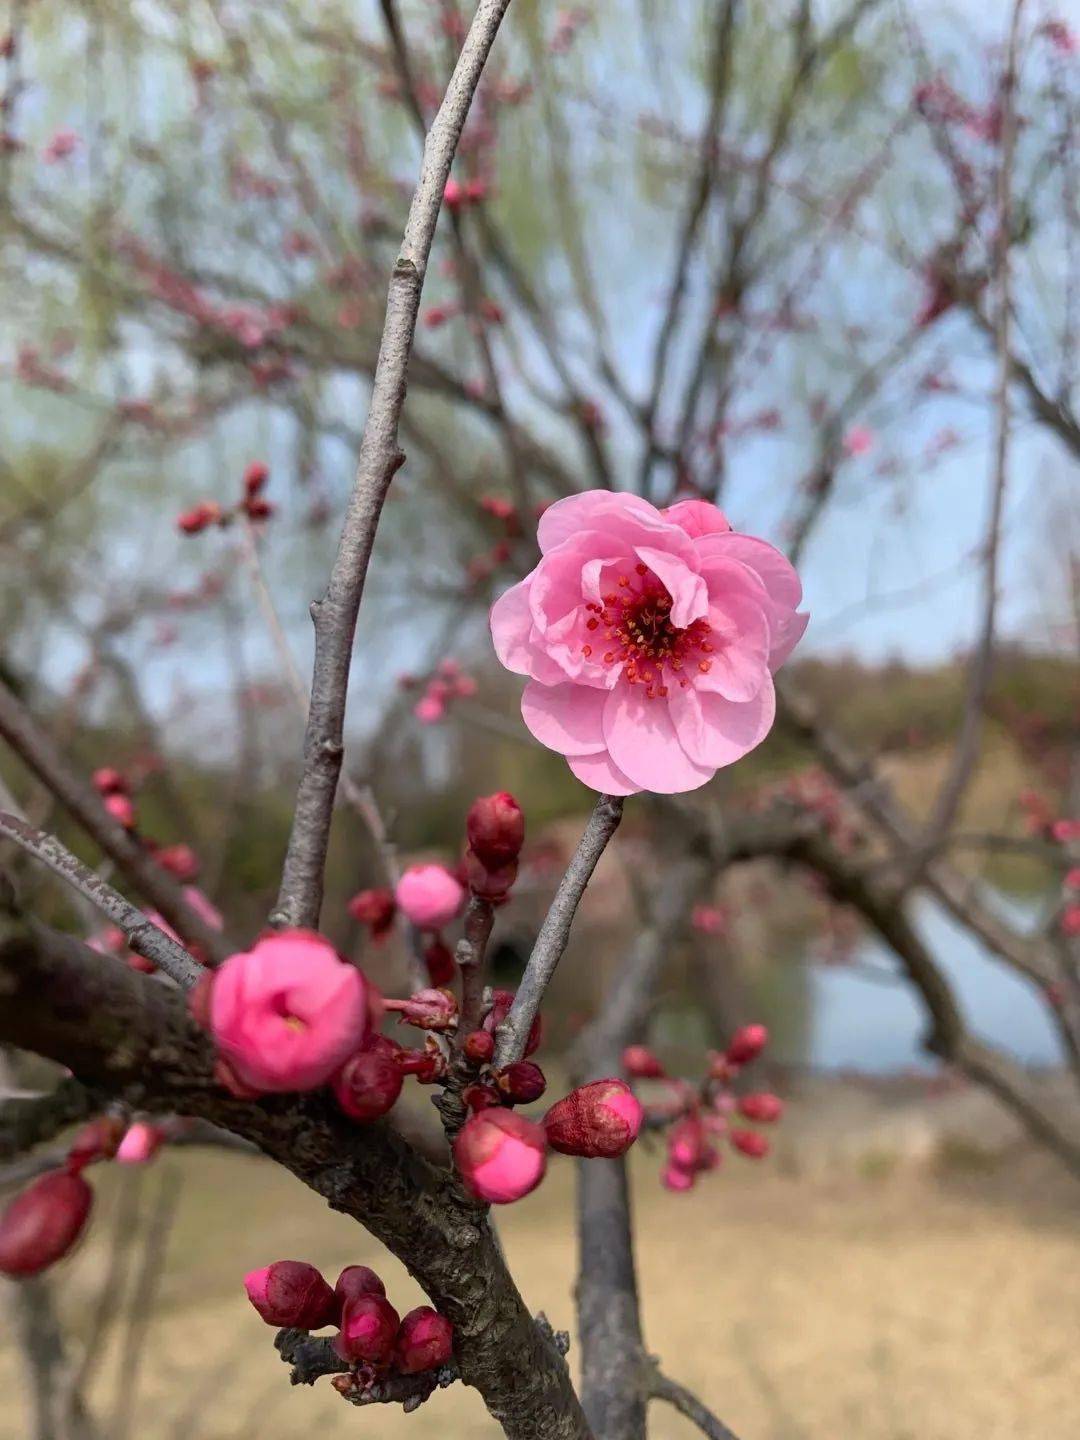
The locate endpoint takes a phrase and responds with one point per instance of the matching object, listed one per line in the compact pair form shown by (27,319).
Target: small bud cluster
(448,683)
(495,828)
(696,1117)
(371,1337)
(507,520)
(252,503)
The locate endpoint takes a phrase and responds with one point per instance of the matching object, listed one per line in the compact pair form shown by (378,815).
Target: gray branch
(300,896)
(555,931)
(661,1388)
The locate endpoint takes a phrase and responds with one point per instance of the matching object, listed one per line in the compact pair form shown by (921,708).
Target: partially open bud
(291,1292)
(97,1140)
(763,1107)
(751,1143)
(439,959)
(428,1065)
(496,829)
(640,1063)
(479,1047)
(747,1044)
(41,1225)
(430,896)
(369,1327)
(140,1144)
(521,1083)
(500,1156)
(368,1085)
(357,1280)
(426,1009)
(374,908)
(501,1000)
(424,1342)
(597,1120)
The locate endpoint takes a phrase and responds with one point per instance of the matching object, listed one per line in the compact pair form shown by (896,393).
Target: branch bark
(300,895)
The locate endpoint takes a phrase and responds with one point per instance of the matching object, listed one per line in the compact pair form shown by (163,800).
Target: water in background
(861,1024)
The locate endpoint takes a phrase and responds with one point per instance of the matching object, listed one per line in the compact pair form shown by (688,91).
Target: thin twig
(555,931)
(300,895)
(661,1388)
(143,936)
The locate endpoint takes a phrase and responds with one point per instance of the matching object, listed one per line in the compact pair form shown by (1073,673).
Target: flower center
(634,623)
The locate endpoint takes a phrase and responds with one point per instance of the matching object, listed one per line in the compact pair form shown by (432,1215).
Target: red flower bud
(369,1327)
(640,1063)
(500,1156)
(179,860)
(597,1120)
(480,1096)
(427,1065)
(501,1001)
(98,1139)
(439,959)
(291,1292)
(687,1146)
(368,1085)
(255,477)
(489,884)
(763,1107)
(479,1047)
(424,1342)
(256,508)
(121,809)
(375,908)
(357,1280)
(41,1225)
(427,1010)
(495,827)
(195,520)
(747,1044)
(108,781)
(751,1143)
(521,1083)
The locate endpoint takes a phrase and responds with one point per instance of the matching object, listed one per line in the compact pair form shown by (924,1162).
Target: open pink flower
(287,1014)
(649,638)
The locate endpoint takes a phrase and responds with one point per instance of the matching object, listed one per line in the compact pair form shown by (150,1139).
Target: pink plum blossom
(859,440)
(287,1014)
(649,638)
(429,896)
(500,1155)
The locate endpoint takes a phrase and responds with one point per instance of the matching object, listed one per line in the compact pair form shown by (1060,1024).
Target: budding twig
(555,931)
(143,936)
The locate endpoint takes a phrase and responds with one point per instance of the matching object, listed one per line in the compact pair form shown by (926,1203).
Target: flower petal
(601,773)
(566,718)
(688,591)
(790,632)
(716,732)
(775,570)
(603,510)
(511,634)
(697,517)
(642,742)
(739,664)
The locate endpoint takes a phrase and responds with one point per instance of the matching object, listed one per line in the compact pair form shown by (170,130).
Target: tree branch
(300,895)
(661,1388)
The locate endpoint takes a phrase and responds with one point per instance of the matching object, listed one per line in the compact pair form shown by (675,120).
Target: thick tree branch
(300,895)
(132,1040)
(555,931)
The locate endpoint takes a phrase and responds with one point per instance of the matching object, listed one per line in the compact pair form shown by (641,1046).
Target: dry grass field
(873,1301)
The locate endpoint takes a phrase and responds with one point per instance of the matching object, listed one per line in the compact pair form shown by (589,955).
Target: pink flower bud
(678,1180)
(287,1014)
(640,1063)
(501,1000)
(750,1143)
(439,959)
(357,1280)
(686,1145)
(479,1046)
(375,908)
(108,781)
(521,1083)
(427,1009)
(764,1108)
(430,896)
(495,827)
(121,809)
(369,1327)
(453,194)
(368,1085)
(255,477)
(487,883)
(291,1292)
(424,1342)
(601,1119)
(41,1225)
(97,1140)
(140,1144)
(747,1044)
(179,860)
(1070,921)
(500,1156)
